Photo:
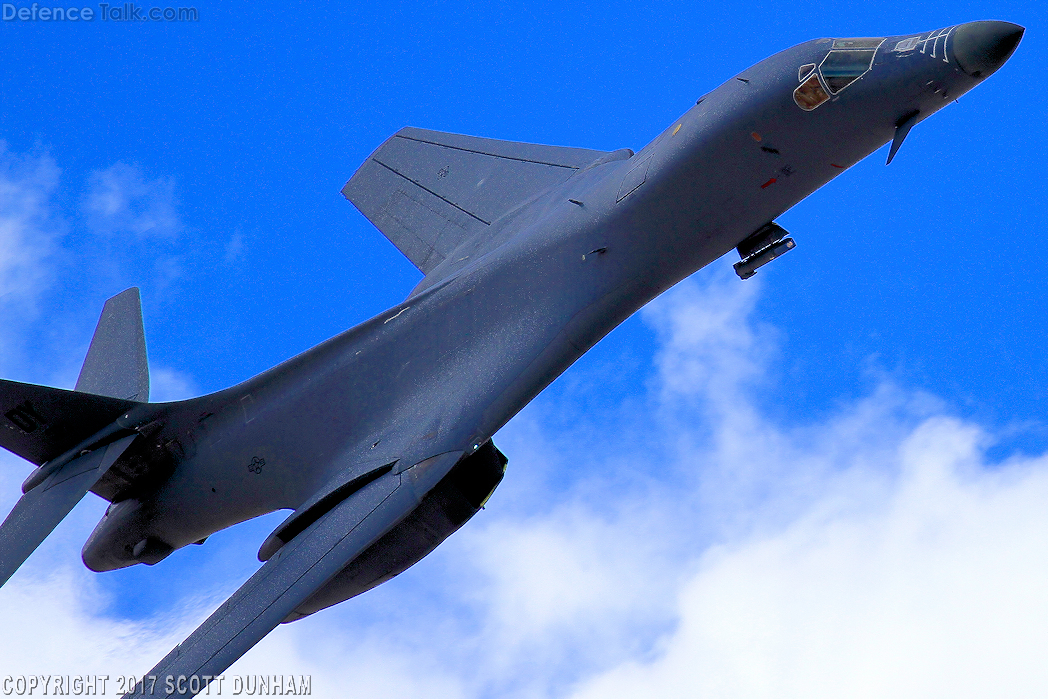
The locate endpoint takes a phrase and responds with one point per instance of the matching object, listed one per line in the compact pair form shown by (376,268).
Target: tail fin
(40,423)
(116,364)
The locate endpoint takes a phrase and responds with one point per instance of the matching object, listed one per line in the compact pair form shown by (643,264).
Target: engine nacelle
(450,504)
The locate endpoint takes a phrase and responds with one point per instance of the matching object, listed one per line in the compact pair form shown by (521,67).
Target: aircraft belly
(279,452)
(252,470)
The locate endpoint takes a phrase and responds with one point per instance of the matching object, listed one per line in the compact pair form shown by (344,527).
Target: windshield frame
(856,47)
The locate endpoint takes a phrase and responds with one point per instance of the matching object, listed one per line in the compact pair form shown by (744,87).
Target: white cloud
(120,199)
(933,589)
(27,237)
(26,222)
(53,627)
(168,384)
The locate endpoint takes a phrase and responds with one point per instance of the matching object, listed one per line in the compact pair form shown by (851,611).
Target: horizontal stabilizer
(116,363)
(429,192)
(39,422)
(39,511)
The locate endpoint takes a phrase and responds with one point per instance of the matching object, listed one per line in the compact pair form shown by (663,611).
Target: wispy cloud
(27,223)
(234,249)
(121,199)
(29,231)
(170,384)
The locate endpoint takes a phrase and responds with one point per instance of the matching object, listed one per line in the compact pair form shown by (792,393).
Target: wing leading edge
(429,192)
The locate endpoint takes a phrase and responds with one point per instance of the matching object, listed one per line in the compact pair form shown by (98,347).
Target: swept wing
(429,192)
(287,579)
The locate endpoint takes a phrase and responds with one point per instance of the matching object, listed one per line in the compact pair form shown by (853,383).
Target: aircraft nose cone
(982,47)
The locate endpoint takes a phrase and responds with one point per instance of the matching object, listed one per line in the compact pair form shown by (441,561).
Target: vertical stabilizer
(116,364)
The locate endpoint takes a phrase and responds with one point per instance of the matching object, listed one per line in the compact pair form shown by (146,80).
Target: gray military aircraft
(379,439)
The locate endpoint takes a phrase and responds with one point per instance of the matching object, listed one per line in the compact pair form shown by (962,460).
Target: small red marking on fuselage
(839,167)
(769,183)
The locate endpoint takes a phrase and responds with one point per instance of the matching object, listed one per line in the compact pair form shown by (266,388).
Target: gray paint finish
(39,511)
(429,192)
(379,438)
(116,364)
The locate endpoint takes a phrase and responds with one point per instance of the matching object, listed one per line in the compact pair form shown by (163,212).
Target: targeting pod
(748,267)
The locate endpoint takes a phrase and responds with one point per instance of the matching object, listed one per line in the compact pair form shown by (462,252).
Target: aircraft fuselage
(501,318)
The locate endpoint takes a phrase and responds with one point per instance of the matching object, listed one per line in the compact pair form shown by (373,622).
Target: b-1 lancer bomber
(379,439)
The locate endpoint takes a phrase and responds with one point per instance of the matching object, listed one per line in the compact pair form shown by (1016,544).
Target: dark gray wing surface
(39,423)
(39,511)
(297,570)
(429,191)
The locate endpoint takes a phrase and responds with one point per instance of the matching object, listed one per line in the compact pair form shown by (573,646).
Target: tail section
(116,364)
(72,435)
(39,423)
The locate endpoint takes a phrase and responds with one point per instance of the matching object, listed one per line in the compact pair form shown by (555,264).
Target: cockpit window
(907,44)
(846,62)
(842,67)
(810,94)
(857,43)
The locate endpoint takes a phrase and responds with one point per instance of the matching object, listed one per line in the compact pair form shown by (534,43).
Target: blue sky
(827,479)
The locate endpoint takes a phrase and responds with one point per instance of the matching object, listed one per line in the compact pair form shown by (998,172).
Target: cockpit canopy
(847,61)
